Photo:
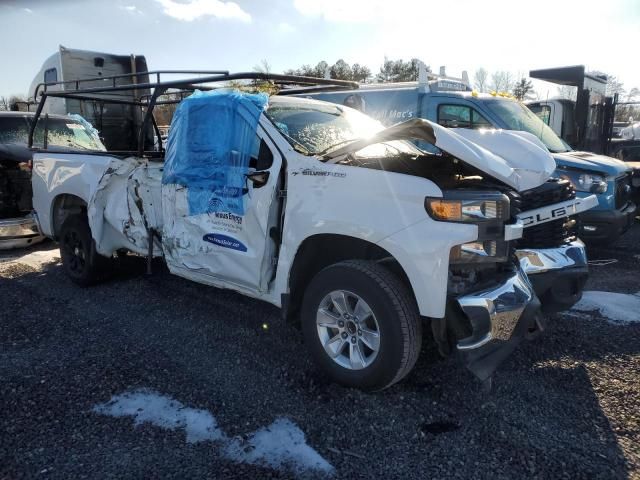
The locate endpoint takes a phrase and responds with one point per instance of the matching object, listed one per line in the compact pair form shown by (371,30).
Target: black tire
(396,313)
(80,260)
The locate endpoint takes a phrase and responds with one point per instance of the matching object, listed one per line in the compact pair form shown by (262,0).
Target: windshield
(62,132)
(316,128)
(518,117)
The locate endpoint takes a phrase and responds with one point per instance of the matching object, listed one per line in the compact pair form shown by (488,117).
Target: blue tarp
(210,142)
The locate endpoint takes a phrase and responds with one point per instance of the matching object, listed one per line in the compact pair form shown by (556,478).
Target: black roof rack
(73,89)
(113,79)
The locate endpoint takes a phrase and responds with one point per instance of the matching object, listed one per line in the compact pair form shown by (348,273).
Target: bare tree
(13,102)
(502,81)
(262,67)
(633,94)
(480,80)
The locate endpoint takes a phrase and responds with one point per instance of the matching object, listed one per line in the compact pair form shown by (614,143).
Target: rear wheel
(361,325)
(80,260)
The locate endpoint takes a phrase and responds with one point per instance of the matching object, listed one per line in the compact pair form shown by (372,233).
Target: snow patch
(280,445)
(618,308)
(147,406)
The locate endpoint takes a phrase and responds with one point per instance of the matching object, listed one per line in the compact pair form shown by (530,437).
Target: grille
(553,191)
(550,234)
(623,189)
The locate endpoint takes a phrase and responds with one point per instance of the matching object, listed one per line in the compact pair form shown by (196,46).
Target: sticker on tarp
(225,241)
(211,139)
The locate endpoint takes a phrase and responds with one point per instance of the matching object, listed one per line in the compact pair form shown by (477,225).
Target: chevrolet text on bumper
(19,232)
(553,212)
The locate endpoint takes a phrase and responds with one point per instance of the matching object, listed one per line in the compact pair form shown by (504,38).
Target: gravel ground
(564,406)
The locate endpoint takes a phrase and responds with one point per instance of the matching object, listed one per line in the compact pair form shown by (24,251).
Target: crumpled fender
(121,211)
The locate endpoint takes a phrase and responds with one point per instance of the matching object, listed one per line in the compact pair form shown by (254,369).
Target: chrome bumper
(494,313)
(19,232)
(534,261)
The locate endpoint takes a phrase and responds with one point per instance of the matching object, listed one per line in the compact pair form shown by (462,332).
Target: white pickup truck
(318,209)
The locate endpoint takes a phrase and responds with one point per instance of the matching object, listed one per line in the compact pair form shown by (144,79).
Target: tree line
(407,71)
(390,71)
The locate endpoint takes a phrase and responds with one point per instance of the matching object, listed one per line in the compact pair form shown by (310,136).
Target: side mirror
(259,179)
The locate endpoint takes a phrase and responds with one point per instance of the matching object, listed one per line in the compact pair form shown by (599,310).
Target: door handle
(259,179)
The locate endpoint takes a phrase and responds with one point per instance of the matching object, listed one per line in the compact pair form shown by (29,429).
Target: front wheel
(80,260)
(361,325)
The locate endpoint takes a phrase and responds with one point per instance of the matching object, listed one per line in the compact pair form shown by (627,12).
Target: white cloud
(194,9)
(366,11)
(131,9)
(28,10)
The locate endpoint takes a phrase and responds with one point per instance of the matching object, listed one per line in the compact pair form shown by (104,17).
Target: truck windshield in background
(61,132)
(518,117)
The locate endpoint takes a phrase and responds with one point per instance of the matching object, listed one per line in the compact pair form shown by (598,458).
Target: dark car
(18,226)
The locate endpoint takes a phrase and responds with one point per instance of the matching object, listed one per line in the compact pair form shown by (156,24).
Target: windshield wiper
(336,145)
(75,144)
(297,146)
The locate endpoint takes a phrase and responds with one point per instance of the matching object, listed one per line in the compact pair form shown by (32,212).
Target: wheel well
(63,207)
(320,251)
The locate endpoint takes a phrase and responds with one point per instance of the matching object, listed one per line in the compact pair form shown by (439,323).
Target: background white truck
(320,210)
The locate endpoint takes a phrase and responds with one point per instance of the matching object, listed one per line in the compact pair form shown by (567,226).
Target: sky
(238,35)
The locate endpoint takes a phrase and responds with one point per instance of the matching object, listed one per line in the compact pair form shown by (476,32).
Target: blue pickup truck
(451,103)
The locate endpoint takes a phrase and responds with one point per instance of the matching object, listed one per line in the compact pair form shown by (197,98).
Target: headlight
(471,207)
(585,182)
(488,210)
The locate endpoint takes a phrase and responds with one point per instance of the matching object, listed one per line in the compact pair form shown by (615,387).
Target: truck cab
(71,68)
(454,105)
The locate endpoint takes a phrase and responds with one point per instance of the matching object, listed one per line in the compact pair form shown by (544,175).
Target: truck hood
(508,156)
(590,161)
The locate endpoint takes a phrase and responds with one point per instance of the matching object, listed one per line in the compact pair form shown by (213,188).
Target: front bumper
(606,226)
(19,232)
(558,275)
(500,317)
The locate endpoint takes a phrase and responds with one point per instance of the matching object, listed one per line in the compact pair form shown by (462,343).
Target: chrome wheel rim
(348,330)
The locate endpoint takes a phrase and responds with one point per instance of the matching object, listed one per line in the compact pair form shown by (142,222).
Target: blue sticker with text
(225,241)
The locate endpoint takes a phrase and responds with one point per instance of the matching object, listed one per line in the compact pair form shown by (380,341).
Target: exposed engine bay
(15,188)
(443,169)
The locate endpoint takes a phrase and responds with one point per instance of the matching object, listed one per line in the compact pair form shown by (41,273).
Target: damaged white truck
(318,209)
